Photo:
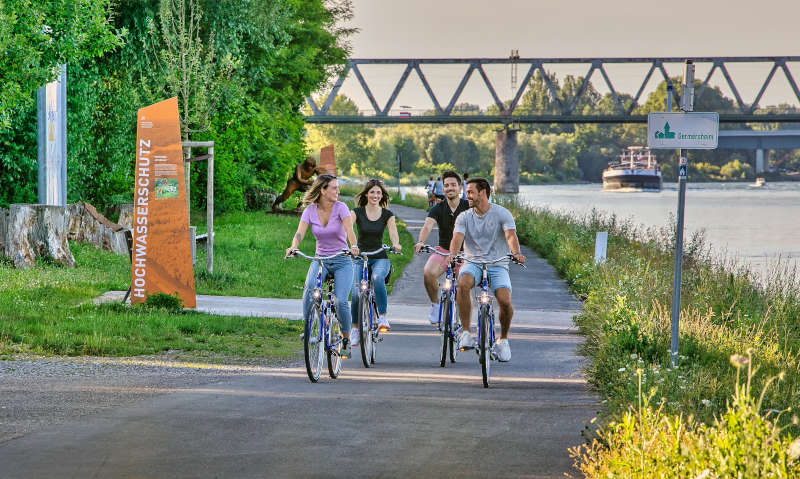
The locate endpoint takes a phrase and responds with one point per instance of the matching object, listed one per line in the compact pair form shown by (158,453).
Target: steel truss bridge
(508,114)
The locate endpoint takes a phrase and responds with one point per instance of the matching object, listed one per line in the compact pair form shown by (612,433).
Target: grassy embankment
(707,413)
(47,310)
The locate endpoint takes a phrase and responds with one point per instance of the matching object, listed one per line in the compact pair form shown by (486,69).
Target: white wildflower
(621,370)
(707,403)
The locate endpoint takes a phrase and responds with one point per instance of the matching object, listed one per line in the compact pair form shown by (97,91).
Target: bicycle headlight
(317,293)
(484,297)
(364,285)
(447,284)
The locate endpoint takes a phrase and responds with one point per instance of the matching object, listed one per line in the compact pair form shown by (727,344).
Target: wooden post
(210,210)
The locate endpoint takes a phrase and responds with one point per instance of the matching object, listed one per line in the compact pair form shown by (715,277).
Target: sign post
(161,260)
(684,130)
(52,140)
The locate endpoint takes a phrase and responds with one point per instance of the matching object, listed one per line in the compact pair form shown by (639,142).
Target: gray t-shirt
(484,236)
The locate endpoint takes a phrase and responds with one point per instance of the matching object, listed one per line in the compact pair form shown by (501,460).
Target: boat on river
(759,183)
(636,170)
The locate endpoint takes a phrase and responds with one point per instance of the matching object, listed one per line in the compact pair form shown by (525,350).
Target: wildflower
(704,474)
(634,356)
(707,403)
(794,449)
(621,370)
(739,361)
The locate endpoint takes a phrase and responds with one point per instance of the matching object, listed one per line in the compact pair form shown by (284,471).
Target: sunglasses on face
(376,180)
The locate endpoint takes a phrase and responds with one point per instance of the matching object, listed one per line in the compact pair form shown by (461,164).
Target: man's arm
(513,243)
(423,233)
(455,245)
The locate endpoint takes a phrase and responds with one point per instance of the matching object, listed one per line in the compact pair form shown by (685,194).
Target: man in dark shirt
(444,215)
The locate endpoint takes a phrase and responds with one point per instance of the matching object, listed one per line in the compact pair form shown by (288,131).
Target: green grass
(46,309)
(626,323)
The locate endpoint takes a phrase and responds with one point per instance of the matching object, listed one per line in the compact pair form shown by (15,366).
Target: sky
(577,28)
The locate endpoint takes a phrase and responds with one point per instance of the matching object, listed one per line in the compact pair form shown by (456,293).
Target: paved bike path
(405,417)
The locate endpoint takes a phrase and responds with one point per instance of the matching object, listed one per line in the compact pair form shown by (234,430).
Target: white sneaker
(355,338)
(433,317)
(466,341)
(383,324)
(502,350)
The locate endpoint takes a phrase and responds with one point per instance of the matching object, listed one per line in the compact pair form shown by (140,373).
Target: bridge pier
(506,161)
(760,160)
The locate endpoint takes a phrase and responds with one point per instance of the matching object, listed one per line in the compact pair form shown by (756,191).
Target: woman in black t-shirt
(372,218)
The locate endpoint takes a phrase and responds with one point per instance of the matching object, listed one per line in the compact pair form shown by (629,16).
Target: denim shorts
(498,276)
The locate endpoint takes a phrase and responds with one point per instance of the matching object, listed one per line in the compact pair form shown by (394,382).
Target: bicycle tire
(484,359)
(364,333)
(444,321)
(313,344)
(455,323)
(334,358)
(374,333)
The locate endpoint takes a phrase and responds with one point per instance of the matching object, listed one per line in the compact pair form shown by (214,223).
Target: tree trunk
(37,231)
(86,225)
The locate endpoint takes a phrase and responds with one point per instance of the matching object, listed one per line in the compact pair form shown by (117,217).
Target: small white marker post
(600,247)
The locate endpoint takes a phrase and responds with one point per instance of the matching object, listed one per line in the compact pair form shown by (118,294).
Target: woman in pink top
(332,226)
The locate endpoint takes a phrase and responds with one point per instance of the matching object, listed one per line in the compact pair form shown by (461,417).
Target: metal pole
(669,97)
(687,104)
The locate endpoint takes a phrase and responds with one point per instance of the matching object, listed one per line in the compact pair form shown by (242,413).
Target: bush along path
(730,407)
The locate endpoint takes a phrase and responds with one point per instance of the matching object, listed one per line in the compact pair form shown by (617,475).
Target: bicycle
(368,331)
(449,324)
(486,334)
(322,332)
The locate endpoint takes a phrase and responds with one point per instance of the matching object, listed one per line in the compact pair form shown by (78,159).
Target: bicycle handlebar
(462,257)
(297,252)
(388,248)
(430,249)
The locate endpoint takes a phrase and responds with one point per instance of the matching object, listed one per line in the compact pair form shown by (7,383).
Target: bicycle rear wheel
(334,336)
(445,309)
(313,344)
(364,333)
(485,323)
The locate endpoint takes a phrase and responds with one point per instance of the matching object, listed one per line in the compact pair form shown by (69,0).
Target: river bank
(729,324)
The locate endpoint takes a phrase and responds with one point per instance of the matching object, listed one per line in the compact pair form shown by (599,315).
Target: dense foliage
(282,50)
(547,152)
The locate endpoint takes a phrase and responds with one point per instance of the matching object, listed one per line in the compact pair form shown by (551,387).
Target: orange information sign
(327,160)
(162,255)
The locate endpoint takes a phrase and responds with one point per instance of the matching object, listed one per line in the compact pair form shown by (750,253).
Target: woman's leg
(380,269)
(343,275)
(311,278)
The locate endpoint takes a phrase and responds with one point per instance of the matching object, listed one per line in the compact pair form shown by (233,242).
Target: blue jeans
(380,268)
(342,268)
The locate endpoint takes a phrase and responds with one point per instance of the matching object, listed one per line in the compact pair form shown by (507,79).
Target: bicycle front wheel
(335,342)
(445,310)
(313,344)
(485,323)
(455,330)
(364,333)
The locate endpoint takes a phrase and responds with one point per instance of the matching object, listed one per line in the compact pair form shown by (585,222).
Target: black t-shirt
(446,219)
(370,233)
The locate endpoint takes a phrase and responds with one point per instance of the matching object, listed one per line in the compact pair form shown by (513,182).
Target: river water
(754,226)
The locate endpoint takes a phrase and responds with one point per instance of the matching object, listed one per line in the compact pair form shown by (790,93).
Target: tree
(35,37)
(185,65)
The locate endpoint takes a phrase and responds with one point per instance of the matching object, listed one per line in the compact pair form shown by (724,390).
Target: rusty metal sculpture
(299,181)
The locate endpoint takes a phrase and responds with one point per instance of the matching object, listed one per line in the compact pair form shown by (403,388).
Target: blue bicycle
(486,334)
(322,333)
(369,334)
(449,324)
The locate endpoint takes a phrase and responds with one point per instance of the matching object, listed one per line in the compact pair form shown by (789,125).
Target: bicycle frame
(324,299)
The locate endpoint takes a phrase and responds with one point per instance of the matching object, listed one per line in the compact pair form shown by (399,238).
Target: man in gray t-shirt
(487,232)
